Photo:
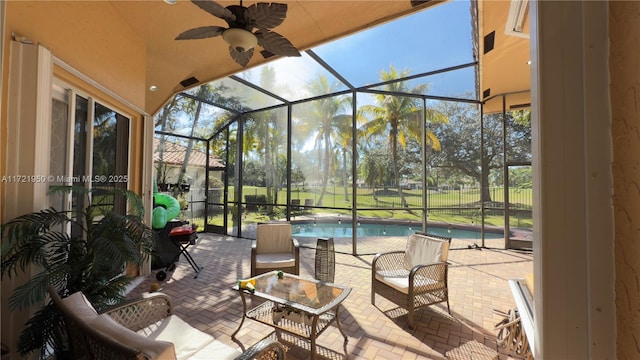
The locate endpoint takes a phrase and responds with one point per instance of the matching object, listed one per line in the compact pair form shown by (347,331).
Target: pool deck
(477,280)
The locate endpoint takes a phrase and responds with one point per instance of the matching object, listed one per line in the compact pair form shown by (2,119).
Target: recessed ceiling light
(529,62)
(170,2)
(153,88)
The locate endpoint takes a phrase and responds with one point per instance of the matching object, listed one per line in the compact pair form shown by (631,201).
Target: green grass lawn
(335,197)
(451,206)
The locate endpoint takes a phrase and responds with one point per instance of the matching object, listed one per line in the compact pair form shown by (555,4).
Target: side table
(325,260)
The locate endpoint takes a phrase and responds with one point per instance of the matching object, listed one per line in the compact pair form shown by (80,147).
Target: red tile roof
(175,154)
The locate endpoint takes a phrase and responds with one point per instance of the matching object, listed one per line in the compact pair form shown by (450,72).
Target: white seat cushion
(216,350)
(157,350)
(270,261)
(401,283)
(188,341)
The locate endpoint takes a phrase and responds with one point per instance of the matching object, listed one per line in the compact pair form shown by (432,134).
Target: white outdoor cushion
(216,350)
(401,283)
(80,306)
(265,261)
(188,341)
(422,250)
(157,350)
(274,238)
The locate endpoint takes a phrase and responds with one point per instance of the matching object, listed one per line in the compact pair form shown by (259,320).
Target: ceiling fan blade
(241,58)
(267,54)
(276,43)
(202,32)
(265,15)
(215,9)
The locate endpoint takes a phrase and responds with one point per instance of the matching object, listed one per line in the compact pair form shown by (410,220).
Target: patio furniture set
(288,302)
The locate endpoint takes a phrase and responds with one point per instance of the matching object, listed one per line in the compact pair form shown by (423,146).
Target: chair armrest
(254,249)
(388,261)
(140,313)
(254,254)
(296,255)
(436,271)
(265,349)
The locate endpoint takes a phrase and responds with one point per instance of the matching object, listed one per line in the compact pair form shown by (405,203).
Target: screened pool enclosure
(386,126)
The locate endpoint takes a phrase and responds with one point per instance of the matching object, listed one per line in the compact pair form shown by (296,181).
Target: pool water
(345,230)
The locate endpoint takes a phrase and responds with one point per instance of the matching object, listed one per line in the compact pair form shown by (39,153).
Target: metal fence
(454,201)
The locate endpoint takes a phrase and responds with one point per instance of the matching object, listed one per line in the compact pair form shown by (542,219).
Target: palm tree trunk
(268,168)
(187,155)
(394,156)
(344,175)
(327,167)
(161,173)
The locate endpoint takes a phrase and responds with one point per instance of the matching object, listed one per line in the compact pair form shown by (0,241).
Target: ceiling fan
(240,35)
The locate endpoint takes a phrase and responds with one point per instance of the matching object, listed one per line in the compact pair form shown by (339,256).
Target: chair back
(272,238)
(424,249)
(86,343)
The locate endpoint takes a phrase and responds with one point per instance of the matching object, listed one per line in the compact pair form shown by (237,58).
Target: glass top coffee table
(298,306)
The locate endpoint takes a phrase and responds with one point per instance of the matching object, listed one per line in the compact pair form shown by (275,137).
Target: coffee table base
(264,313)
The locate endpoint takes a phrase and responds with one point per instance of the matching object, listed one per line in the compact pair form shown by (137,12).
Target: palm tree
(265,133)
(326,120)
(399,117)
(371,168)
(164,121)
(193,107)
(343,150)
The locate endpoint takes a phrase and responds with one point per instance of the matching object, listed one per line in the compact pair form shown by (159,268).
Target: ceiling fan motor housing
(241,39)
(242,21)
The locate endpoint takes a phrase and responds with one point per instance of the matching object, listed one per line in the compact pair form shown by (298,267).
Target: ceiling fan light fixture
(240,39)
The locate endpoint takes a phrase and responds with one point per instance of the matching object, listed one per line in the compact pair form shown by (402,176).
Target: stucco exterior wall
(116,59)
(624,30)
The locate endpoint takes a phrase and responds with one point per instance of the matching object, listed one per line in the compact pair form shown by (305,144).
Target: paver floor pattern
(477,282)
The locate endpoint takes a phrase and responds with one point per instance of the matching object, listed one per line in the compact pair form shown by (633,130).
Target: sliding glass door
(89,148)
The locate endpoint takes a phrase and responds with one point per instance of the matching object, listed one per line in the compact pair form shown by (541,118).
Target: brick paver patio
(477,281)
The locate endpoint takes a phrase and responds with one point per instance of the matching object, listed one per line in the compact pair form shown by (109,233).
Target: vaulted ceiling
(124,44)
(308,23)
(503,36)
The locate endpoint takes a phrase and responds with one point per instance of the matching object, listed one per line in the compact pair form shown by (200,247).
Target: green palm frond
(103,295)
(25,237)
(44,325)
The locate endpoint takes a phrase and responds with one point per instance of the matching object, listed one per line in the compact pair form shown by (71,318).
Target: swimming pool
(337,230)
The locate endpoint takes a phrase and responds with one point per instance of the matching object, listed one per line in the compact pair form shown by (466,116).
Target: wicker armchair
(415,277)
(138,330)
(275,249)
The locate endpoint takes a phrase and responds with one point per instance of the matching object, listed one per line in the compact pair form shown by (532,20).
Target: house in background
(168,161)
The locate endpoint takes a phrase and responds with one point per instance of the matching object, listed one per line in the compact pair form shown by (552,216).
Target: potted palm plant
(92,258)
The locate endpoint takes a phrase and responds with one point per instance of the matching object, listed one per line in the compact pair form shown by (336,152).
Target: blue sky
(436,38)
(433,39)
